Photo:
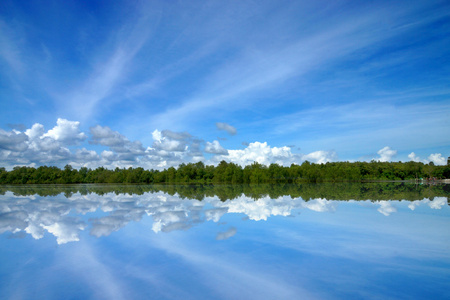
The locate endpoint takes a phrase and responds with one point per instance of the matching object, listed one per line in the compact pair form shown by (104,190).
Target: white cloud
(120,217)
(413,157)
(36,131)
(170,220)
(266,155)
(227,127)
(121,149)
(170,145)
(12,140)
(437,159)
(12,221)
(34,147)
(261,153)
(321,205)
(414,204)
(215,148)
(261,209)
(215,214)
(438,202)
(103,135)
(66,131)
(85,155)
(386,207)
(386,154)
(109,155)
(66,231)
(44,144)
(164,141)
(171,149)
(320,157)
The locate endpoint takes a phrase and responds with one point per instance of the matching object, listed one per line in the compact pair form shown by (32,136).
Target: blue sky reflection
(120,246)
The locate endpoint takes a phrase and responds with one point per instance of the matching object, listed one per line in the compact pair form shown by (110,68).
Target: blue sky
(158,83)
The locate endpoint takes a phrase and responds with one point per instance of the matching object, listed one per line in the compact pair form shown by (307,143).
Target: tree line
(232,173)
(330,191)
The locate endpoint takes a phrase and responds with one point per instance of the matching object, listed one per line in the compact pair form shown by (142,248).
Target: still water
(371,241)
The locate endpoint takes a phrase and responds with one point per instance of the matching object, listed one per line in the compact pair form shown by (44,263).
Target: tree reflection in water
(66,211)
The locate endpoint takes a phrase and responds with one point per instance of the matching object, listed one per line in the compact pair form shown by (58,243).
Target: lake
(310,241)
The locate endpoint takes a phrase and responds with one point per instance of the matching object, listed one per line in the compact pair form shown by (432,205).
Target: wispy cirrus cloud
(253,71)
(349,127)
(9,49)
(109,73)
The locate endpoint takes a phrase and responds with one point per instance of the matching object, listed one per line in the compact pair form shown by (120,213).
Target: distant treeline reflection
(330,191)
(224,172)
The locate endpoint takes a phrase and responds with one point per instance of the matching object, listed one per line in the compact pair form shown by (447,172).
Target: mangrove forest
(230,173)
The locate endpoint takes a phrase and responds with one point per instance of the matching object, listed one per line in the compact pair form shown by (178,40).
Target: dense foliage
(330,191)
(229,173)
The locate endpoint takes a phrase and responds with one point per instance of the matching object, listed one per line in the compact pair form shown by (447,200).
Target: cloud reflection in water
(66,218)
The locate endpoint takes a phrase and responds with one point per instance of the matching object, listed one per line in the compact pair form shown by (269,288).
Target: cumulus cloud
(261,209)
(35,146)
(66,231)
(386,207)
(124,148)
(320,157)
(170,220)
(215,214)
(86,155)
(227,127)
(413,157)
(164,141)
(58,215)
(215,148)
(67,131)
(13,140)
(179,136)
(266,155)
(261,153)
(37,215)
(438,202)
(36,131)
(106,225)
(171,149)
(321,205)
(386,154)
(109,155)
(414,204)
(12,221)
(437,159)
(103,135)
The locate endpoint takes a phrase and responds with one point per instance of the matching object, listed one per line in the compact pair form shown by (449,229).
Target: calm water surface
(96,242)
